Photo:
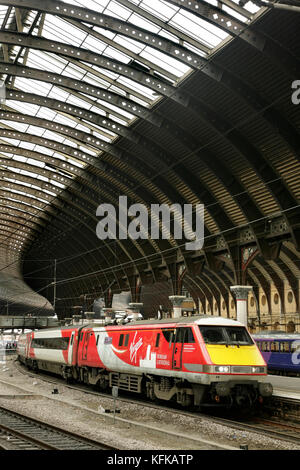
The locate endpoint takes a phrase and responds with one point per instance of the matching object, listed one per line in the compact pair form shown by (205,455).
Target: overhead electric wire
(66,259)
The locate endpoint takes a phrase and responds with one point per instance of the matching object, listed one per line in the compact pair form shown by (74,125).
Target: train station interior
(150,228)
(164,102)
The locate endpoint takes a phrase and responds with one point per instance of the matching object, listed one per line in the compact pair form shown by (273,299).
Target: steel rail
(44,435)
(259,427)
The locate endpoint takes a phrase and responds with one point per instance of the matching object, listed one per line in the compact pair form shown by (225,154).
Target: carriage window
(126,340)
(189,337)
(157,340)
(50,343)
(266,346)
(226,335)
(238,335)
(97,340)
(121,339)
(275,346)
(185,335)
(213,335)
(72,337)
(286,347)
(295,346)
(169,335)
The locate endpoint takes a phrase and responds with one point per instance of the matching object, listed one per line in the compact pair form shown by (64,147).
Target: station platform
(288,387)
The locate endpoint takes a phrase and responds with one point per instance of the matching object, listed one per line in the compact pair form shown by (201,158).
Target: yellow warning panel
(234,355)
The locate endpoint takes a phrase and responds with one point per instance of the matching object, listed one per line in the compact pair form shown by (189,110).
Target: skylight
(137,43)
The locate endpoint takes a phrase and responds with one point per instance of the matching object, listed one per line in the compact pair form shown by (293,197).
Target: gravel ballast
(82,413)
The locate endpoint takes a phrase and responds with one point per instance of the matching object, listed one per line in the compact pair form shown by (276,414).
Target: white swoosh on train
(117,350)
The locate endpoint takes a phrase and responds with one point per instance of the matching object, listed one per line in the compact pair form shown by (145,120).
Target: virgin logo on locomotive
(134,347)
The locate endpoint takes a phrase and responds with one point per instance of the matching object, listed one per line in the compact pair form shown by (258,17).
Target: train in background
(193,361)
(281,351)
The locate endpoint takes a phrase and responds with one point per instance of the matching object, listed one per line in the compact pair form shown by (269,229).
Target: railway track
(276,429)
(20,432)
(290,430)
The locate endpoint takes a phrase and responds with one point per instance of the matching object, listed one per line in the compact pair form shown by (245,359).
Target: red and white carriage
(191,360)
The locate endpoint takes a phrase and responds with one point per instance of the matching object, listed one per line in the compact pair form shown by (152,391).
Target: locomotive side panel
(138,350)
(189,361)
(49,346)
(88,355)
(52,347)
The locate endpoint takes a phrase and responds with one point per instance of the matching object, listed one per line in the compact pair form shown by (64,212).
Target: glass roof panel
(234,13)
(250,6)
(3,13)
(159,8)
(117,10)
(165,61)
(58,29)
(198,29)
(170,22)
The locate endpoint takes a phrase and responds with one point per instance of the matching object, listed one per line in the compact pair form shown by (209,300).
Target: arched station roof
(163,101)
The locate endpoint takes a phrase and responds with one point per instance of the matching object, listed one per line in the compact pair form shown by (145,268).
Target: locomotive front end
(237,371)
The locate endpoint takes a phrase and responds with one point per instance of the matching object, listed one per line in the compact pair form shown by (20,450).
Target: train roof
(199,319)
(278,335)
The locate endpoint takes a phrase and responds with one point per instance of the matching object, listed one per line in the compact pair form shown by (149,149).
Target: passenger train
(281,351)
(194,361)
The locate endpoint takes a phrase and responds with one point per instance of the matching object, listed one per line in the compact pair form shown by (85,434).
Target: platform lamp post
(241,294)
(177,302)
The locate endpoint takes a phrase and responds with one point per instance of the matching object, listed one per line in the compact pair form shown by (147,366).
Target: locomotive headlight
(258,370)
(223,369)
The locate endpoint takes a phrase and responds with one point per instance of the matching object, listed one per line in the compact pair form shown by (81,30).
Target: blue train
(281,351)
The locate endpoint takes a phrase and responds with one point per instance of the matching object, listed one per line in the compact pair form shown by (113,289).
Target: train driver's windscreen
(237,335)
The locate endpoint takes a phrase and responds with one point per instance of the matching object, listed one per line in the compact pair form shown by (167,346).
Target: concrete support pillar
(241,294)
(176,302)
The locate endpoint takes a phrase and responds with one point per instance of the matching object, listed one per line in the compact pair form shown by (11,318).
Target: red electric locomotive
(194,361)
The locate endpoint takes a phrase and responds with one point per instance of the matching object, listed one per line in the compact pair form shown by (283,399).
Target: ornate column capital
(177,300)
(241,292)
